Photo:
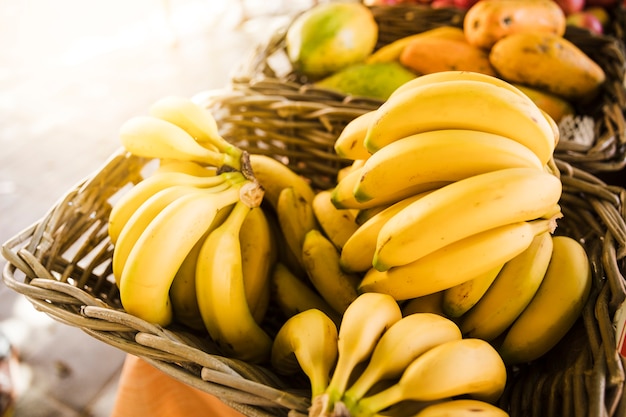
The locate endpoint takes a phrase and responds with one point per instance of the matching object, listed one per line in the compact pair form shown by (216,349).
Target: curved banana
(459,299)
(186,167)
(221,293)
(429,303)
(455,263)
(350,142)
(162,247)
(320,259)
(307,341)
(131,200)
(152,137)
(469,367)
(363,323)
(510,293)
(357,163)
(463,208)
(274,176)
(555,307)
(439,155)
(462,408)
(295,218)
(357,253)
(464,104)
(398,347)
(337,224)
(292,295)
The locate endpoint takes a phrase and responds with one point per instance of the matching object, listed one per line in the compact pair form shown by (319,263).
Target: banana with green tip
(459,299)
(350,142)
(455,263)
(463,208)
(462,408)
(510,293)
(337,224)
(468,367)
(556,306)
(439,155)
(463,104)
(364,322)
(221,293)
(398,347)
(307,341)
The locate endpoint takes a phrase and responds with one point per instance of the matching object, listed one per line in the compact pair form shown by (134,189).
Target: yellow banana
(455,263)
(320,259)
(186,167)
(307,341)
(162,248)
(357,163)
(463,208)
(462,408)
(221,293)
(464,104)
(363,323)
(152,137)
(350,142)
(510,293)
(130,201)
(429,303)
(274,176)
(398,347)
(459,299)
(337,224)
(555,307)
(295,218)
(468,367)
(293,295)
(439,155)
(357,253)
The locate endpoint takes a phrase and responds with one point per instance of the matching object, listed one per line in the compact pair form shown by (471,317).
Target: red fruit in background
(465,4)
(439,4)
(603,3)
(601,13)
(585,20)
(571,6)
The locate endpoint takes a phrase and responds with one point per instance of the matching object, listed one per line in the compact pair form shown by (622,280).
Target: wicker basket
(595,140)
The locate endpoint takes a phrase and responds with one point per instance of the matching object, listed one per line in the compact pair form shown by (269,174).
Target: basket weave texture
(62,263)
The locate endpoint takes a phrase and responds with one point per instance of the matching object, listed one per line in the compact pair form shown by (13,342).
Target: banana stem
(369,406)
(251,194)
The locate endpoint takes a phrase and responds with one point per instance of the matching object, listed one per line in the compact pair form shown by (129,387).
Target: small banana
(462,408)
(320,259)
(152,137)
(555,307)
(307,341)
(293,295)
(463,208)
(162,247)
(463,104)
(398,347)
(510,293)
(455,263)
(350,142)
(221,293)
(363,324)
(439,155)
(459,299)
(295,218)
(468,367)
(337,224)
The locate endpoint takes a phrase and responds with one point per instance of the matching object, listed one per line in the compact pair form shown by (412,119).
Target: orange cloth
(146,391)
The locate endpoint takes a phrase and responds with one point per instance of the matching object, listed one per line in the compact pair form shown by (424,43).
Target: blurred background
(71,72)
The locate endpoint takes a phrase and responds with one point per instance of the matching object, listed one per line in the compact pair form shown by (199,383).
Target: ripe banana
(152,137)
(293,295)
(439,155)
(555,307)
(357,253)
(468,367)
(320,259)
(186,167)
(357,163)
(295,218)
(307,341)
(398,347)
(459,299)
(510,293)
(455,263)
(462,408)
(221,293)
(362,325)
(463,208)
(337,224)
(350,142)
(162,248)
(463,104)
(429,303)
(274,176)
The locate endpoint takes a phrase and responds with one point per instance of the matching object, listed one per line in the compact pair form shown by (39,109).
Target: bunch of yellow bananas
(378,360)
